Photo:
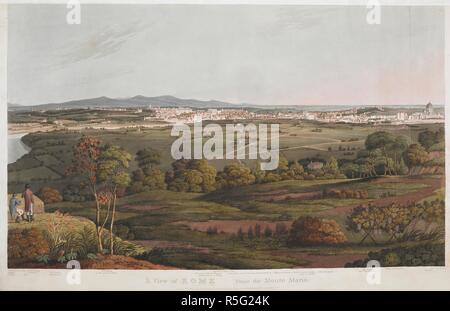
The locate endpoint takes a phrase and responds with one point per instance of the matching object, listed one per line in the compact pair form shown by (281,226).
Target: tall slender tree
(113,172)
(86,153)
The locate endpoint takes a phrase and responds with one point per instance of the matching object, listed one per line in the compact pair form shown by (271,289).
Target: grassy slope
(52,153)
(166,209)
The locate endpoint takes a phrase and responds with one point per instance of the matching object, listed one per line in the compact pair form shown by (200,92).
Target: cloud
(100,44)
(301,17)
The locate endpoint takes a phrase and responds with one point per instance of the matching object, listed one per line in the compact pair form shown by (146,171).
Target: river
(16,148)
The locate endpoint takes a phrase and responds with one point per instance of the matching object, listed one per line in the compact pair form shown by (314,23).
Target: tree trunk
(111,241)
(102,227)
(98,227)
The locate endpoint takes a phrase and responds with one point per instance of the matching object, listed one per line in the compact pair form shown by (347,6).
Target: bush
(268,232)
(281,229)
(64,238)
(211,230)
(399,223)
(49,195)
(155,179)
(26,244)
(420,255)
(235,175)
(345,194)
(123,232)
(308,230)
(72,193)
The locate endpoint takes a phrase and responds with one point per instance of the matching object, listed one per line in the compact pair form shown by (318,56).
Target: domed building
(429,109)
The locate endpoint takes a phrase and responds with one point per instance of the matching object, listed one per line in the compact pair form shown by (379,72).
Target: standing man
(29,201)
(13,203)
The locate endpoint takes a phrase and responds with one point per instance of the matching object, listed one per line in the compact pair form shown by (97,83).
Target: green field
(201,231)
(171,241)
(52,151)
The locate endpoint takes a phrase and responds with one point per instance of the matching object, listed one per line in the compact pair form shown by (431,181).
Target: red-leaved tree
(86,153)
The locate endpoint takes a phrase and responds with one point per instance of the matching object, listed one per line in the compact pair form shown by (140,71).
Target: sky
(263,55)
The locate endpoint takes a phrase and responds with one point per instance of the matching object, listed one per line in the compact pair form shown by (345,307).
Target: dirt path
(432,184)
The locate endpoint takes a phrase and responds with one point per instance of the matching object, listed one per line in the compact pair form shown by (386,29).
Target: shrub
(240,234)
(267,232)
(400,223)
(73,193)
(211,230)
(155,179)
(420,255)
(26,243)
(137,187)
(280,229)
(50,195)
(123,232)
(64,238)
(258,230)
(345,194)
(308,230)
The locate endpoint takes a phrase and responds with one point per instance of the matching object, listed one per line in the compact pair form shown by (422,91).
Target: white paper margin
(405,278)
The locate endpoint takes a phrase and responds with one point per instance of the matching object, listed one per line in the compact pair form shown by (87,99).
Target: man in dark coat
(29,201)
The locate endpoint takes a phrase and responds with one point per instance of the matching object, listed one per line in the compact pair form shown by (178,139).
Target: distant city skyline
(258,55)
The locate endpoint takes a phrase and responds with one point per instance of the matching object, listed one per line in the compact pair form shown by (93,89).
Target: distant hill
(133,102)
(140,101)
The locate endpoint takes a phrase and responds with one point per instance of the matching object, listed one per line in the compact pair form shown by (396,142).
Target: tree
(296,171)
(367,161)
(112,171)
(331,167)
(267,232)
(208,173)
(351,170)
(138,175)
(147,177)
(366,220)
(235,175)
(388,149)
(401,167)
(396,150)
(308,230)
(259,174)
(427,139)
(147,158)
(258,230)
(194,180)
(283,164)
(398,222)
(379,140)
(415,155)
(240,234)
(280,229)
(49,195)
(155,180)
(86,153)
(250,233)
(192,176)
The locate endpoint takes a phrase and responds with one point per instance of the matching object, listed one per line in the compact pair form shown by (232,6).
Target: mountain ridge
(138,101)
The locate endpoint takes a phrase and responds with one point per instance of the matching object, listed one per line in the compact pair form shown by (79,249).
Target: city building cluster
(377,115)
(188,115)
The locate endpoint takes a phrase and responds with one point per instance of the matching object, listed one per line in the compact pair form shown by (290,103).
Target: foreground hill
(53,239)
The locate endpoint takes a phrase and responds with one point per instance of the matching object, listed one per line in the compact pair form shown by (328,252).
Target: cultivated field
(245,227)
